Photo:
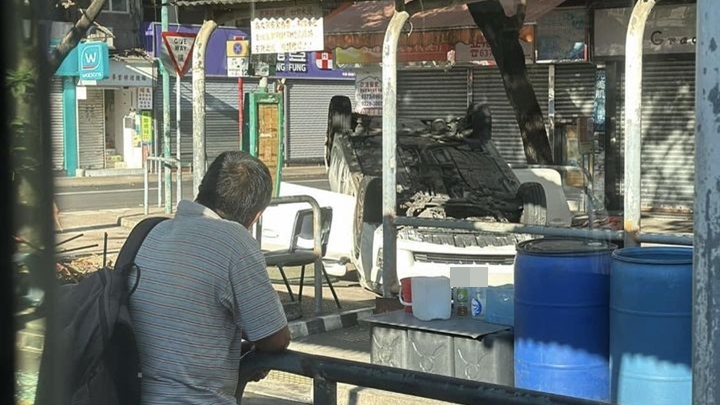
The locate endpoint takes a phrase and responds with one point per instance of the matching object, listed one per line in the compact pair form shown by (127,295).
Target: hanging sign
(179,46)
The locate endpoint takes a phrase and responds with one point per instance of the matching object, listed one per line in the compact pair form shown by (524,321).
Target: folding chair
(301,252)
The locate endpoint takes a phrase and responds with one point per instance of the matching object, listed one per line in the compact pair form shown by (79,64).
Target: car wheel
(534,204)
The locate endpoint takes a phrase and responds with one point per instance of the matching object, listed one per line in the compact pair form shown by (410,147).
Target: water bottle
(461,301)
(478,302)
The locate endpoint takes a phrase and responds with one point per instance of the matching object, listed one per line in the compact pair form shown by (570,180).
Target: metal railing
(161,162)
(317,240)
(327,372)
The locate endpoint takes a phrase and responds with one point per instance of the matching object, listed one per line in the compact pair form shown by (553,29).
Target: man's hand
(248,347)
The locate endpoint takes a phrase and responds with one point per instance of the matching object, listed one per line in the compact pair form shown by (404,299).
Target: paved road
(85,197)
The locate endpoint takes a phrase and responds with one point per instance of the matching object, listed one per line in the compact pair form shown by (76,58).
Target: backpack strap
(126,258)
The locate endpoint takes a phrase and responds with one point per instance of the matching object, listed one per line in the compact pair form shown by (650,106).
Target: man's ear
(257,216)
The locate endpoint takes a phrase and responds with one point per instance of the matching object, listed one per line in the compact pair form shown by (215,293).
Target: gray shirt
(203,283)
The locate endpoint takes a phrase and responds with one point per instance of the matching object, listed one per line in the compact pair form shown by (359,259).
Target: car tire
(339,121)
(534,204)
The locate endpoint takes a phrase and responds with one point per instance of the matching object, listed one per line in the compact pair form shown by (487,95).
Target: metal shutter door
(668,135)
(221,116)
(306,115)
(574,90)
(432,93)
(91,129)
(488,87)
(56,124)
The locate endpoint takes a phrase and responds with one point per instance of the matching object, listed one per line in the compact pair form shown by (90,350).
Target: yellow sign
(238,48)
(146,126)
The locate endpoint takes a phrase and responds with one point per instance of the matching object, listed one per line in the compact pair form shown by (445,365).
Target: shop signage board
(368,93)
(94,60)
(290,29)
(670,29)
(179,46)
(144,98)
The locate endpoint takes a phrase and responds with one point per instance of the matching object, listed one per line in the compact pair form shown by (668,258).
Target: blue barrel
(651,326)
(561,317)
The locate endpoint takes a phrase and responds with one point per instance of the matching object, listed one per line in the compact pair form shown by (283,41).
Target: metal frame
(317,240)
(167,163)
(327,372)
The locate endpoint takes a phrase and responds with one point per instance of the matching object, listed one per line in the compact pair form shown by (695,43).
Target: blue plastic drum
(561,317)
(651,326)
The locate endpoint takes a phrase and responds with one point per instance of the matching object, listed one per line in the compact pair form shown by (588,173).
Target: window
(116,6)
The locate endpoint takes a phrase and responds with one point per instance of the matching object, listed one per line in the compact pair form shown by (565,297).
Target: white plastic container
(431,298)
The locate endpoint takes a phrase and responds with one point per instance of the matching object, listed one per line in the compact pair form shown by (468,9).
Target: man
(204,286)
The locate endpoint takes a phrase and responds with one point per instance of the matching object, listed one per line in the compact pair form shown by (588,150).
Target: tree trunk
(502,33)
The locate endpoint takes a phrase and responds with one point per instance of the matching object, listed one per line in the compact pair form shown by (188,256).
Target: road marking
(127,190)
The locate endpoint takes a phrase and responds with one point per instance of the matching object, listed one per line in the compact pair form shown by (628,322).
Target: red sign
(179,46)
(323,60)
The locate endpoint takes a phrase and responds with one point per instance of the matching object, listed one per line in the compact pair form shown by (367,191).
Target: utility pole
(166,115)
(706,262)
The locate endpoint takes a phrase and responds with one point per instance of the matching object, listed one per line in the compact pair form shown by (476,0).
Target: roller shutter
(91,129)
(432,93)
(221,116)
(56,123)
(668,135)
(488,87)
(307,115)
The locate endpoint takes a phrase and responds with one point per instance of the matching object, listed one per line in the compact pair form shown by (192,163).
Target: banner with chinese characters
(144,98)
(368,93)
(146,127)
(288,29)
(123,74)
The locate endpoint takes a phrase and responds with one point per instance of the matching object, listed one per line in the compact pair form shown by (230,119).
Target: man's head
(237,186)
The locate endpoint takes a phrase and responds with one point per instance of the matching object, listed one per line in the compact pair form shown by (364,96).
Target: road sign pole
(166,115)
(178,176)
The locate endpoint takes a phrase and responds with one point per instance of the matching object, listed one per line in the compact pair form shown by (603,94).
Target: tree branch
(73,37)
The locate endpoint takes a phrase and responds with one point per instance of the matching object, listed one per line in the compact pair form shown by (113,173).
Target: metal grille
(488,87)
(668,142)
(432,93)
(56,124)
(91,129)
(574,90)
(221,116)
(307,115)
(463,259)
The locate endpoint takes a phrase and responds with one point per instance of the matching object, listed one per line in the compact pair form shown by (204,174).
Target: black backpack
(96,337)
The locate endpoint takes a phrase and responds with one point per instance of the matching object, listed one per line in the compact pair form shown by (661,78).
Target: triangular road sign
(179,46)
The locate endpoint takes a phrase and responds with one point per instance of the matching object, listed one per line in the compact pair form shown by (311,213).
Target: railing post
(324,391)
(159,183)
(146,186)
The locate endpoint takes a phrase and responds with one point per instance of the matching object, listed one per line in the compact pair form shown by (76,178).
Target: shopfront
(110,114)
(668,103)
(311,79)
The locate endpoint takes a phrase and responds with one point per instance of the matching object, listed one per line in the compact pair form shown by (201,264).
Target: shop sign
(670,29)
(146,127)
(93,60)
(561,36)
(144,98)
(289,29)
(368,93)
(123,74)
(309,65)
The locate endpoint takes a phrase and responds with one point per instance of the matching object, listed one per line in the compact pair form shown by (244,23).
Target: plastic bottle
(479,302)
(461,301)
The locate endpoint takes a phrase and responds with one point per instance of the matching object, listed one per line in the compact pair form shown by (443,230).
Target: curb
(327,323)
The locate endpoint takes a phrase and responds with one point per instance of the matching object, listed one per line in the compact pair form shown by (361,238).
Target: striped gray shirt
(203,283)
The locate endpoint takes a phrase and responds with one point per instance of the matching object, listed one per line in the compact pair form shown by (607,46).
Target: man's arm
(274,343)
